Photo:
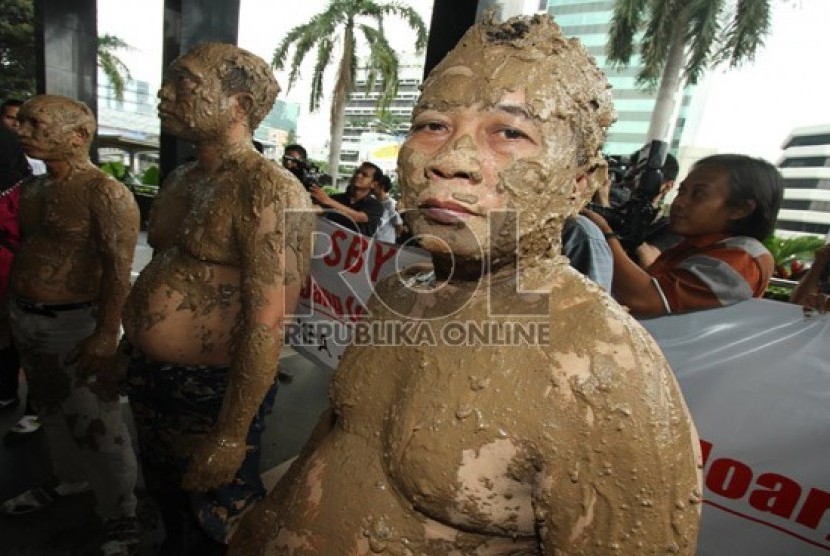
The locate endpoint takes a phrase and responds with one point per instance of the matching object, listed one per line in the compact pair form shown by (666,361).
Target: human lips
(445,212)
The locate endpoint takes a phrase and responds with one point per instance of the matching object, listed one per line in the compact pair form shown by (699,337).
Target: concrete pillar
(66,46)
(186,24)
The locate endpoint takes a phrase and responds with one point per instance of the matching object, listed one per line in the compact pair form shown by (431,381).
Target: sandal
(121,537)
(21,430)
(40,497)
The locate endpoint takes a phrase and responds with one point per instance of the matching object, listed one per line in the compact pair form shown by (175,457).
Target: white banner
(756,376)
(345,267)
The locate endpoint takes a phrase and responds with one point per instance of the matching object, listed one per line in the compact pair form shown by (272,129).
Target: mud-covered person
(571,436)
(68,284)
(231,239)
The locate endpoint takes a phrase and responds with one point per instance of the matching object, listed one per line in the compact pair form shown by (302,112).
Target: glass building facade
(806,170)
(590,22)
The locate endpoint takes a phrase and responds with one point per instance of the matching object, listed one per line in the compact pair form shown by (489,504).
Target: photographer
(356,209)
(724,208)
(295,160)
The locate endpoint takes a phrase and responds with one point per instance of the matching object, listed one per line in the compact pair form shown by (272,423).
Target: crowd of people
(489,196)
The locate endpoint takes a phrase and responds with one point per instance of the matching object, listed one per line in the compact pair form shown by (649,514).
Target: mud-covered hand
(214,462)
(95,354)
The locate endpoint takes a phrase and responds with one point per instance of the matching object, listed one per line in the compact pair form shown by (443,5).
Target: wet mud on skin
(578,444)
(232,241)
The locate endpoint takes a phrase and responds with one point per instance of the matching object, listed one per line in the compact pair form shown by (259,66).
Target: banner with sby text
(756,377)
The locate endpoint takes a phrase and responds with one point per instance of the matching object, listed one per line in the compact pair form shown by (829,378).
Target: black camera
(308,174)
(639,177)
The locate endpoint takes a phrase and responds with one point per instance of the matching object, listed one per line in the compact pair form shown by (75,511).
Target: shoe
(21,430)
(9,403)
(41,497)
(120,537)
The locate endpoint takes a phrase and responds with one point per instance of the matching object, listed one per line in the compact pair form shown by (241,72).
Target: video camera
(307,173)
(642,176)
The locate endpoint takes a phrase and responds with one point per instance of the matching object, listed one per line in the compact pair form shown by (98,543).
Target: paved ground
(68,527)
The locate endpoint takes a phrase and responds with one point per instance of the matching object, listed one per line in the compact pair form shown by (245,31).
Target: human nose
(164,92)
(458,159)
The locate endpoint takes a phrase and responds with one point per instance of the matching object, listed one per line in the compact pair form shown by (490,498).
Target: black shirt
(368,205)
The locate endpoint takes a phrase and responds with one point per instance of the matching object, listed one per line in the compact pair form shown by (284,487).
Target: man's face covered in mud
(503,128)
(54,127)
(195,104)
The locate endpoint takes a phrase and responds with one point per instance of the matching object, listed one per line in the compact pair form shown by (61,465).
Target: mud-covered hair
(241,71)
(73,114)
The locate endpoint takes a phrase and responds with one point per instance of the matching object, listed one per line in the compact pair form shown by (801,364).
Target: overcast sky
(749,110)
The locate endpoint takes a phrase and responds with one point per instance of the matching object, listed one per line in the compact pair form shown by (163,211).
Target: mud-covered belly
(182,310)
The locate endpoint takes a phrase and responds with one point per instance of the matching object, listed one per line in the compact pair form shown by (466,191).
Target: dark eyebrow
(514,110)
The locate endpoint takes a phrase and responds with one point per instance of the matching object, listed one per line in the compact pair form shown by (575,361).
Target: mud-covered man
(68,285)
(530,414)
(231,238)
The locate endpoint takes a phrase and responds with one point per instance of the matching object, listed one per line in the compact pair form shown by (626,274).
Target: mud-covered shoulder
(266,184)
(109,196)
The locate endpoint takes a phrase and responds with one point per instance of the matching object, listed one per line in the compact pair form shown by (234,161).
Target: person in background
(391,223)
(67,286)
(813,290)
(13,170)
(293,155)
(16,167)
(584,244)
(8,118)
(724,208)
(356,209)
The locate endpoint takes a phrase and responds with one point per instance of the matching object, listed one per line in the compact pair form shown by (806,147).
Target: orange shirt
(711,271)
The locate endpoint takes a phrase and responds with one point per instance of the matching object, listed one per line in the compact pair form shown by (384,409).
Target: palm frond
(702,35)
(113,67)
(384,62)
(745,34)
(664,17)
(411,17)
(324,49)
(625,25)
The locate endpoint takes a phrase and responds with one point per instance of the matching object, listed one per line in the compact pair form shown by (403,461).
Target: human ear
(243,106)
(80,136)
(744,209)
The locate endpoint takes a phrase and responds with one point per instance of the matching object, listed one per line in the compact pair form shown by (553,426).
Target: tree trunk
(338,103)
(670,88)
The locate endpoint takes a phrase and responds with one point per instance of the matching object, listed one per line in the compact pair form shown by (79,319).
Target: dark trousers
(9,372)
(173,406)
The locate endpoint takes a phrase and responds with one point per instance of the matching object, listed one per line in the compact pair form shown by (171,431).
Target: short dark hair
(378,172)
(385,182)
(296,148)
(670,168)
(751,179)
(10,102)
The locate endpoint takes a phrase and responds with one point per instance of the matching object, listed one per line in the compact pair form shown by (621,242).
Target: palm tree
(681,39)
(324,31)
(116,70)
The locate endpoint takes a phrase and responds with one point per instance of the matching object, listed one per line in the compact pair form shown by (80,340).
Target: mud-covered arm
(269,278)
(114,225)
